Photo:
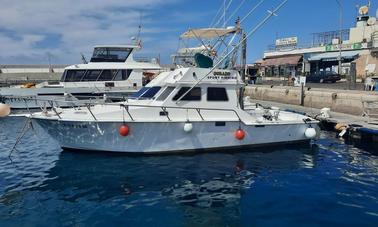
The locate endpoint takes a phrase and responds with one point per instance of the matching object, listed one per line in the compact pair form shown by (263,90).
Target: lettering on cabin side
(221,75)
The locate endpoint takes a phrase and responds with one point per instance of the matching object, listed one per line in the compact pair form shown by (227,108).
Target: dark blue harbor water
(328,184)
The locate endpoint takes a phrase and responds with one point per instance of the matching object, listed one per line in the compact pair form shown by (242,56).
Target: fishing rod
(235,11)
(215,17)
(240,21)
(224,14)
(250,12)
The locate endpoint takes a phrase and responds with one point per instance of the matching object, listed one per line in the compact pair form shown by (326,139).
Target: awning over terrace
(334,56)
(287,60)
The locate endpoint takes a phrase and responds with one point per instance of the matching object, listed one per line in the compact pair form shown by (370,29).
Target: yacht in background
(112,72)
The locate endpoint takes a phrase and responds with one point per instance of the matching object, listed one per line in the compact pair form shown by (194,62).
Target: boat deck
(356,125)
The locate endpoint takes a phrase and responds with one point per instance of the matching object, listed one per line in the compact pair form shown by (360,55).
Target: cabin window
(150,93)
(165,93)
(91,75)
(106,75)
(122,74)
(146,93)
(216,94)
(73,75)
(139,93)
(110,54)
(193,95)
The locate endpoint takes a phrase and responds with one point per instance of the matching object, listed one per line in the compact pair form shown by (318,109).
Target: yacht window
(216,94)
(146,93)
(91,75)
(122,74)
(150,92)
(110,54)
(73,75)
(106,75)
(139,93)
(165,93)
(193,95)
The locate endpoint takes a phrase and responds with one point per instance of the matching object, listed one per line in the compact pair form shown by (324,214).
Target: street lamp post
(340,32)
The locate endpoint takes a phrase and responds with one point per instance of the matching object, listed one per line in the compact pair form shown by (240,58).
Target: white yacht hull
(163,137)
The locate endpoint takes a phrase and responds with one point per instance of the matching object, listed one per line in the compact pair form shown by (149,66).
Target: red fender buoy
(124,130)
(239,134)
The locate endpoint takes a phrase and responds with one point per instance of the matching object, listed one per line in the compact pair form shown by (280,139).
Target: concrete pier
(343,101)
(20,74)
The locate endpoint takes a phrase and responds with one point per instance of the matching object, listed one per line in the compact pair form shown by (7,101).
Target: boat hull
(165,137)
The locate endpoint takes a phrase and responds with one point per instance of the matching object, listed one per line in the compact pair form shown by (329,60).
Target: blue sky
(32,30)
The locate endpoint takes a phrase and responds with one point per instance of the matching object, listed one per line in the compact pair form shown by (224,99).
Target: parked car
(323,77)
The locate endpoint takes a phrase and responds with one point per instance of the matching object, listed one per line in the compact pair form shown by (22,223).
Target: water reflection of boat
(204,176)
(132,186)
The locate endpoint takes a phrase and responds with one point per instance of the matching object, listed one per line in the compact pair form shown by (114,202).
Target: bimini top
(208,33)
(119,46)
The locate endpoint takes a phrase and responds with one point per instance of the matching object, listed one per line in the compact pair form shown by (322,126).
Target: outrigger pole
(271,13)
(243,63)
(240,21)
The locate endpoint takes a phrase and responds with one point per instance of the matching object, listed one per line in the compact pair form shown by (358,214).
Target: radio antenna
(137,38)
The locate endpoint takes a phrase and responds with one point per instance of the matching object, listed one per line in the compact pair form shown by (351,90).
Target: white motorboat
(158,120)
(112,71)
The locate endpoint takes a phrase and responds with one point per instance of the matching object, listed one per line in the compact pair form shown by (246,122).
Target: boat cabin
(217,90)
(110,63)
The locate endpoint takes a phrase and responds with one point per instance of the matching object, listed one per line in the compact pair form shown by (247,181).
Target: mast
(243,61)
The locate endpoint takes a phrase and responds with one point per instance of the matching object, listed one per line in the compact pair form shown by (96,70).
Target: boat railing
(165,109)
(54,104)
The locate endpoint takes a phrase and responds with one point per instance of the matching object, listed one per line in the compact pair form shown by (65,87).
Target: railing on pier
(370,110)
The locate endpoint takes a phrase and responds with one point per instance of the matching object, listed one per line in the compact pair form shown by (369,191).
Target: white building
(358,44)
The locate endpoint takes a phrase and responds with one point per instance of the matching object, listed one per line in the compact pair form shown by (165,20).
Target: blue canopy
(334,56)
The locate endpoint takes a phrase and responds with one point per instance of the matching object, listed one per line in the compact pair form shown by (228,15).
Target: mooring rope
(25,128)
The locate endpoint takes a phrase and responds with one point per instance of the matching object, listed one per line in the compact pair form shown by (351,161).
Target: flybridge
(112,53)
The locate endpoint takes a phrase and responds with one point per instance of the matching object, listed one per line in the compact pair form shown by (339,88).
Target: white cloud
(79,24)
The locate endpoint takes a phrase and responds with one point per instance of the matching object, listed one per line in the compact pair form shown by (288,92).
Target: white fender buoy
(188,127)
(260,120)
(325,112)
(310,133)
(4,110)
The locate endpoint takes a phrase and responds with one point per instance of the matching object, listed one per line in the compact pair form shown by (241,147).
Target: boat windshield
(146,93)
(110,54)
